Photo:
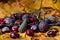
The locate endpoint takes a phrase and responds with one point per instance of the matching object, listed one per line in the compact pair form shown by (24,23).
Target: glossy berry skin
(14,35)
(33,19)
(43,26)
(51,34)
(18,22)
(29,32)
(52,19)
(15,29)
(5,29)
(1,22)
(34,27)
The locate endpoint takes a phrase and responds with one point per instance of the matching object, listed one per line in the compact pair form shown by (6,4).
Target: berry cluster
(16,23)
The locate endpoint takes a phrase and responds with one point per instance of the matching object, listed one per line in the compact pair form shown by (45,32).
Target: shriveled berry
(29,32)
(5,29)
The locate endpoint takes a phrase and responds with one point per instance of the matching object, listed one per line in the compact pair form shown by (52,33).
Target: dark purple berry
(51,34)
(46,20)
(43,26)
(52,19)
(17,15)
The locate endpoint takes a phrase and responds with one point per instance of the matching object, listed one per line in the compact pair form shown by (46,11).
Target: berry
(14,35)
(51,34)
(18,22)
(12,17)
(16,15)
(5,29)
(24,17)
(34,27)
(31,19)
(35,19)
(43,26)
(29,32)
(15,29)
(52,19)
(1,22)
(8,21)
(58,23)
(46,20)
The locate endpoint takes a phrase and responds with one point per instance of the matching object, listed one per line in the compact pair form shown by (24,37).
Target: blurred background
(47,7)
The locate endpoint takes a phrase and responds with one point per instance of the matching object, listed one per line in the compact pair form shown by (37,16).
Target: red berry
(35,19)
(29,32)
(31,19)
(1,21)
(14,29)
(18,22)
